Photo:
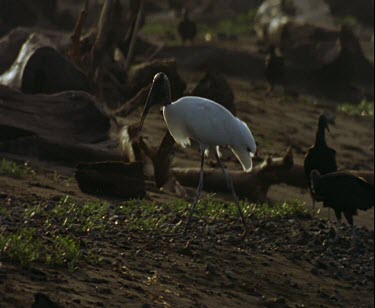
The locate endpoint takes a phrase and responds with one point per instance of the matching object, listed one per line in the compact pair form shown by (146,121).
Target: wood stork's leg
(199,191)
(231,187)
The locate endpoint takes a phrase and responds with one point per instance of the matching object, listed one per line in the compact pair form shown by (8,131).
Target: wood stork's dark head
(160,94)
(325,120)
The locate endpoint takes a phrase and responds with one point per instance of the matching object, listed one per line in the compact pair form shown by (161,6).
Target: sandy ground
(273,267)
(299,262)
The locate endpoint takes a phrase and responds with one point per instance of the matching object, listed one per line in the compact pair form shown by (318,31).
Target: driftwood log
(112,179)
(40,68)
(11,44)
(255,185)
(66,127)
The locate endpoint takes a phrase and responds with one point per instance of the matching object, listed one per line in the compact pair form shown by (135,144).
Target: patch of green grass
(348,20)
(12,169)
(64,250)
(26,247)
(20,247)
(239,25)
(158,28)
(50,229)
(216,210)
(150,216)
(71,215)
(364,109)
(4,212)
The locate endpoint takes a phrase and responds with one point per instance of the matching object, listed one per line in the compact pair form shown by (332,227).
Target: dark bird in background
(274,68)
(320,156)
(343,192)
(187,28)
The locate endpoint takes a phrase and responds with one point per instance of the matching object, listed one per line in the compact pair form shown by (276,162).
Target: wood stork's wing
(209,123)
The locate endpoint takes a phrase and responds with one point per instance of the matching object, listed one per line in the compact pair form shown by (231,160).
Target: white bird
(206,122)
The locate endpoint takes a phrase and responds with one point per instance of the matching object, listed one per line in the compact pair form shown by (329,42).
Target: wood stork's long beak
(148,105)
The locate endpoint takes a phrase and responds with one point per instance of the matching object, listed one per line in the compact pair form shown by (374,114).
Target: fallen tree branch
(254,186)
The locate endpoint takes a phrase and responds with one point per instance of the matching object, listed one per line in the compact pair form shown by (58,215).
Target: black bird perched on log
(274,68)
(343,192)
(187,28)
(320,157)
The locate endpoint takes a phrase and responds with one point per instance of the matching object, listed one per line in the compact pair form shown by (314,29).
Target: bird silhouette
(187,29)
(343,192)
(320,156)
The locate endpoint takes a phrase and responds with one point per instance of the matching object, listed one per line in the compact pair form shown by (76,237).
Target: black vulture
(187,28)
(320,157)
(343,192)
(274,68)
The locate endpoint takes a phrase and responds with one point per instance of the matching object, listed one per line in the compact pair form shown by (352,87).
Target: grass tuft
(64,250)
(20,247)
(12,169)
(26,247)
(364,109)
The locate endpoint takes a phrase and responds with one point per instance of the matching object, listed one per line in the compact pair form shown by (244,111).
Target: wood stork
(320,156)
(208,123)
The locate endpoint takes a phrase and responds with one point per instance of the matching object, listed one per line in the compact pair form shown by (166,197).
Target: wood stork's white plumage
(208,123)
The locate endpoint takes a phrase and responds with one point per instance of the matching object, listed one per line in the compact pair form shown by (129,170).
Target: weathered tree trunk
(40,68)
(67,127)
(253,186)
(66,154)
(72,117)
(112,179)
